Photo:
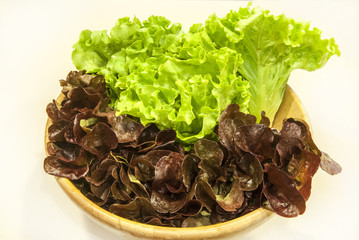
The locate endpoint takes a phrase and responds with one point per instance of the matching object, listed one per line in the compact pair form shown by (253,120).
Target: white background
(36,40)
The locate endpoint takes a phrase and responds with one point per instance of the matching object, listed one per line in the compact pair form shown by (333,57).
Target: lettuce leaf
(271,47)
(161,75)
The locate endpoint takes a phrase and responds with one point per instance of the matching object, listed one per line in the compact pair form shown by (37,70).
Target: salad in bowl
(174,129)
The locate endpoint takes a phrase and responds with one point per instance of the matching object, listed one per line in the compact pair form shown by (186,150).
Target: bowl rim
(152,231)
(161,232)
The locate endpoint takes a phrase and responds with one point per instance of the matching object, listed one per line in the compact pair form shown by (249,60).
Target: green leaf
(271,47)
(161,75)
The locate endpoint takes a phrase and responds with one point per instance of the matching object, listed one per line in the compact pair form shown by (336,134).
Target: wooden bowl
(290,107)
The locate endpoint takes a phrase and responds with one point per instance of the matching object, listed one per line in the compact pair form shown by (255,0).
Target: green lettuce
(271,47)
(184,80)
(161,75)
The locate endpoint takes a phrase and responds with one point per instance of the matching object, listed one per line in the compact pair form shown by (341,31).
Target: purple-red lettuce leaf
(229,201)
(143,168)
(68,153)
(138,209)
(192,208)
(56,131)
(250,172)
(264,119)
(168,170)
(163,201)
(168,193)
(281,193)
(190,170)
(119,192)
(55,166)
(100,141)
(63,150)
(196,221)
(205,194)
(103,172)
(233,112)
(329,165)
(148,134)
(285,149)
(79,78)
(293,129)
(79,100)
(52,110)
(126,129)
(154,156)
(83,123)
(128,179)
(308,164)
(101,192)
(211,157)
(165,137)
(256,139)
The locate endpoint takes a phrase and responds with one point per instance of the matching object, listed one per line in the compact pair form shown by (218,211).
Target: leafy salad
(172,128)
(183,81)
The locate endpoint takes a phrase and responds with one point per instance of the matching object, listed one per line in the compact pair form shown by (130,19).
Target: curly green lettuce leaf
(159,74)
(271,47)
